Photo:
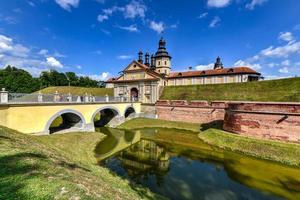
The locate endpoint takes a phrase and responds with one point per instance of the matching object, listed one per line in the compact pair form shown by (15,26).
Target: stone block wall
(278,121)
(195,111)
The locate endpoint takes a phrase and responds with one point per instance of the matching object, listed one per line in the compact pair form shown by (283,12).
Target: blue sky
(99,38)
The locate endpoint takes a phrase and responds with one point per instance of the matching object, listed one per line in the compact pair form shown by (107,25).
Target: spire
(218,63)
(140,60)
(152,61)
(147,59)
(162,51)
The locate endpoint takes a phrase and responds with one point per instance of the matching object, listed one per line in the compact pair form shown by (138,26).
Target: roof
(214,72)
(143,67)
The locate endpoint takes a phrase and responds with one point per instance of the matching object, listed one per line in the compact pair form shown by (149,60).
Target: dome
(162,51)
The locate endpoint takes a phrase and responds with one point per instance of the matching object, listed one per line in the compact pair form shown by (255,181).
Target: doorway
(134,94)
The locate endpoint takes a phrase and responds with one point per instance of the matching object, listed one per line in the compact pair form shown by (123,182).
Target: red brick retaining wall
(195,111)
(279,121)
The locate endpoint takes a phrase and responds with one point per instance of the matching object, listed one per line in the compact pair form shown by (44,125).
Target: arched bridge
(38,118)
(45,117)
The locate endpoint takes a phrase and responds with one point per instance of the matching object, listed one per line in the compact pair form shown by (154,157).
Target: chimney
(140,60)
(147,59)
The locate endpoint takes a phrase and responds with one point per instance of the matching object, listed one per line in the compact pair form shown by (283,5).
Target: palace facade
(144,80)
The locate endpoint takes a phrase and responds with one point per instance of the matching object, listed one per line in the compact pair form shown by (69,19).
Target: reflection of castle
(145,156)
(144,79)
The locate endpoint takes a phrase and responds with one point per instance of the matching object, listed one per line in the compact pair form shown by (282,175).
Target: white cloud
(135,9)
(43,52)
(132,10)
(286,36)
(52,62)
(282,51)
(218,3)
(78,66)
(67,4)
(131,28)
(254,3)
(7,46)
(20,56)
(204,67)
(203,15)
(284,70)
(101,77)
(9,19)
(124,57)
(215,22)
(286,63)
(159,27)
(241,63)
(101,18)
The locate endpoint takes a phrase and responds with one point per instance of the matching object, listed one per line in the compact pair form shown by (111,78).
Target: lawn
(78,90)
(58,167)
(285,153)
(272,90)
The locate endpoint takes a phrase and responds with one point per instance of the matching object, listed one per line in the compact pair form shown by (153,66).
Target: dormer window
(203,72)
(230,70)
(134,66)
(179,74)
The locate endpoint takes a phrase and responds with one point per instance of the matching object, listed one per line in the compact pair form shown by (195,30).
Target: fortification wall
(278,121)
(195,111)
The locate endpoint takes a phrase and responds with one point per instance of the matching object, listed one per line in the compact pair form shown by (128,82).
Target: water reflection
(178,165)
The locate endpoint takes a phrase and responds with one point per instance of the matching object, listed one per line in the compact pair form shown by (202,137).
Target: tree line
(21,81)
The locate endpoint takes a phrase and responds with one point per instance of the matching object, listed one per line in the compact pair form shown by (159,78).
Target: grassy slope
(285,153)
(273,90)
(156,123)
(58,167)
(79,90)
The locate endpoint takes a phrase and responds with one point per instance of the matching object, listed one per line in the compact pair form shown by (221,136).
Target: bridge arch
(70,119)
(107,113)
(129,110)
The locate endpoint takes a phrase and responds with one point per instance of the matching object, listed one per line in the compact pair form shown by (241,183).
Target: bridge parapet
(39,98)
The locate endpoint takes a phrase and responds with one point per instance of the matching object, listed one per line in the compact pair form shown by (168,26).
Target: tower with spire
(162,59)
(218,63)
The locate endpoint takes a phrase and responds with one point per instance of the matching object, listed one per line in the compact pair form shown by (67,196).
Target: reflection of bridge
(27,116)
(116,141)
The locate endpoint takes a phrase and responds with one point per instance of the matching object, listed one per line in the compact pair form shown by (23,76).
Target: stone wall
(278,121)
(195,111)
(148,108)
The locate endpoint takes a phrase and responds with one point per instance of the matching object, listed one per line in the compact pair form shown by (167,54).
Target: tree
(18,80)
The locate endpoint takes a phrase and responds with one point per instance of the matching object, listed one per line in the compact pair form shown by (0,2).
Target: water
(178,165)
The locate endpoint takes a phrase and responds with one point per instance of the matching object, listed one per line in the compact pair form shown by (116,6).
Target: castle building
(144,80)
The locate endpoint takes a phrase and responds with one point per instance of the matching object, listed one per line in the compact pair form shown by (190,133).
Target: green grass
(272,90)
(285,153)
(78,90)
(58,167)
(138,123)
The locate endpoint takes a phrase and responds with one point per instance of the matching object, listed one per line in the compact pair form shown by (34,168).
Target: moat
(178,165)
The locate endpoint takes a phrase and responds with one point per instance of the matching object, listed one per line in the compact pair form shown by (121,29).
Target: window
(158,62)
(159,70)
(165,62)
(165,71)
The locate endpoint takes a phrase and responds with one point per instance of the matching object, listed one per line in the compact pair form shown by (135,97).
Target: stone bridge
(33,115)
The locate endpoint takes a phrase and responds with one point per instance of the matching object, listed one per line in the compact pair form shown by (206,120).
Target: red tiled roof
(132,80)
(211,72)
